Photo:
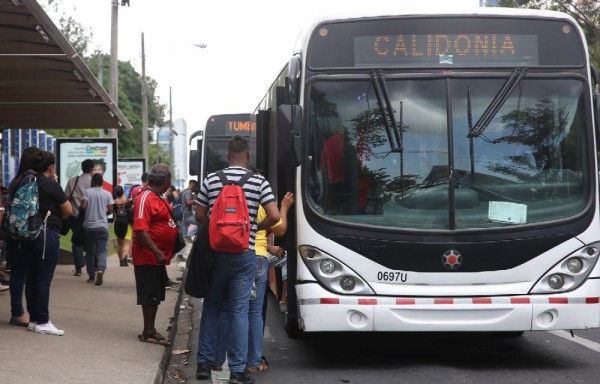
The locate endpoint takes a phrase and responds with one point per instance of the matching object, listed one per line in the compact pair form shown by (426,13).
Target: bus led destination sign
(241,126)
(462,49)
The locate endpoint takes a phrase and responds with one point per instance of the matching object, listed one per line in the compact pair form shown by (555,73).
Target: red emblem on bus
(452,259)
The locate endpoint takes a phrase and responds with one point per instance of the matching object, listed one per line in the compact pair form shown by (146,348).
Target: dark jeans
(18,274)
(40,271)
(233,277)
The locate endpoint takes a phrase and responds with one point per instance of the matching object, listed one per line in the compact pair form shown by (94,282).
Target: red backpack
(229,225)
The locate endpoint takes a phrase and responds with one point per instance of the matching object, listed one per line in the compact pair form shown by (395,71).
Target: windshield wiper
(497,103)
(387,112)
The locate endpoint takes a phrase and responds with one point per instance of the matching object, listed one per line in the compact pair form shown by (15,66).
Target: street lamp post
(145,109)
(171,154)
(114,56)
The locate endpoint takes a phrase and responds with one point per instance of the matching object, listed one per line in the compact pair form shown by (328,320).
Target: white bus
(445,173)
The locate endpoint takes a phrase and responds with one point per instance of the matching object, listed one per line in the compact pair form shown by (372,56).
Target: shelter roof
(44,83)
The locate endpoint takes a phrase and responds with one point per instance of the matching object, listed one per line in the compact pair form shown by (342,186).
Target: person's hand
(288,200)
(276,250)
(160,257)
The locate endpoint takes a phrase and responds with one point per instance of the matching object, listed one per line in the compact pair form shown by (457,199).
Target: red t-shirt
(135,192)
(332,158)
(151,214)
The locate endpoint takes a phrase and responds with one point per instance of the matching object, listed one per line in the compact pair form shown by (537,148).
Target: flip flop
(262,367)
(155,338)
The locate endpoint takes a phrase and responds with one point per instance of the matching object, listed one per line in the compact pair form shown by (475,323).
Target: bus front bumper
(323,311)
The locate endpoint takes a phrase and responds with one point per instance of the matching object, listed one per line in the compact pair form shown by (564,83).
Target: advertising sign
(129,172)
(70,153)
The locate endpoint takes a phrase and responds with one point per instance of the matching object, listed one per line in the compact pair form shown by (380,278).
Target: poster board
(129,172)
(71,152)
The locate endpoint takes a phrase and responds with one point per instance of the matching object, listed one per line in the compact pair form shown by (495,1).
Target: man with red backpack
(232,231)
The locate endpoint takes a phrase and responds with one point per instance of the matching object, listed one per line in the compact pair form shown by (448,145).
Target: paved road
(536,357)
(101,325)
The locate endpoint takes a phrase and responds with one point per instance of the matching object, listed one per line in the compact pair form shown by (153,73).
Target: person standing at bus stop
(187,209)
(97,204)
(257,310)
(154,233)
(234,272)
(76,187)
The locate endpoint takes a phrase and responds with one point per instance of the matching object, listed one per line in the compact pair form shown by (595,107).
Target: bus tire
(509,334)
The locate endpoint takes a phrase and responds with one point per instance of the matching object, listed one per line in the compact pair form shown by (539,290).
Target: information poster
(129,172)
(70,153)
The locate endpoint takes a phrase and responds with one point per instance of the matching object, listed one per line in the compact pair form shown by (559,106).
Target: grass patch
(65,241)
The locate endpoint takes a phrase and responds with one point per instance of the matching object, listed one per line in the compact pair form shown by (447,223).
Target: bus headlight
(332,273)
(574,265)
(347,283)
(556,281)
(327,266)
(570,272)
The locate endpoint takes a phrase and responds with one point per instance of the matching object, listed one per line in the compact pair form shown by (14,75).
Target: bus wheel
(509,334)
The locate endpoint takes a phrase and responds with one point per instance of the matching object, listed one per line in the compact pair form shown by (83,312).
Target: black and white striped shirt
(257,191)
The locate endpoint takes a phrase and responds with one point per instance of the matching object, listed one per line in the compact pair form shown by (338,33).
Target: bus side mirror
(289,126)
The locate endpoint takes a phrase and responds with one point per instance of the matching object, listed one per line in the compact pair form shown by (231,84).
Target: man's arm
(147,242)
(66,209)
(272,216)
(201,214)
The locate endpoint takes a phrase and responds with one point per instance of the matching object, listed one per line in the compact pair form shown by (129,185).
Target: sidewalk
(101,325)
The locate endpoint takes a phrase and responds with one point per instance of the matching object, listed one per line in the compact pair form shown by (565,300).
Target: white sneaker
(49,329)
(31,326)
(3,288)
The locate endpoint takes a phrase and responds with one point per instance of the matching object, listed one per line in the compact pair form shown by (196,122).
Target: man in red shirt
(154,232)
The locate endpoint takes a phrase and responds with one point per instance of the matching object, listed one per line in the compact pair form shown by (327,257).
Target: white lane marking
(577,339)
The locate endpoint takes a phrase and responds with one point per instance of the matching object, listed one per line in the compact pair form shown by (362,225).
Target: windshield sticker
(505,212)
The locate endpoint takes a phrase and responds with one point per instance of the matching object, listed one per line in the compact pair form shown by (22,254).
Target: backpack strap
(244,179)
(73,189)
(223,177)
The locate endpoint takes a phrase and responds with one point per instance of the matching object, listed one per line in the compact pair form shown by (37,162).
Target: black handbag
(69,222)
(179,239)
(201,265)
(66,226)
(179,242)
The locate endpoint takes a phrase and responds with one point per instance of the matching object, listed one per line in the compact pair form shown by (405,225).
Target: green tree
(130,85)
(585,12)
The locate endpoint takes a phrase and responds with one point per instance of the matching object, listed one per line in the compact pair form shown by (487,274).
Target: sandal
(154,338)
(262,367)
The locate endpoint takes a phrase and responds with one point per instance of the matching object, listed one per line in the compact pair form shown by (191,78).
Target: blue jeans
(186,221)
(18,274)
(96,240)
(232,283)
(40,271)
(255,319)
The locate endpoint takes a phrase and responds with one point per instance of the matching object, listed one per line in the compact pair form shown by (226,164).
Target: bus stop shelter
(44,83)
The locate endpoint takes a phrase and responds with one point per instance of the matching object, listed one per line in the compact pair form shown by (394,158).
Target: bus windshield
(528,165)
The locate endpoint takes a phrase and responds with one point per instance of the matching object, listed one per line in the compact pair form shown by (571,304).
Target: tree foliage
(130,86)
(585,12)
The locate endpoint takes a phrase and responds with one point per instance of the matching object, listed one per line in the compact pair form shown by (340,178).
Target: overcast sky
(248,42)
